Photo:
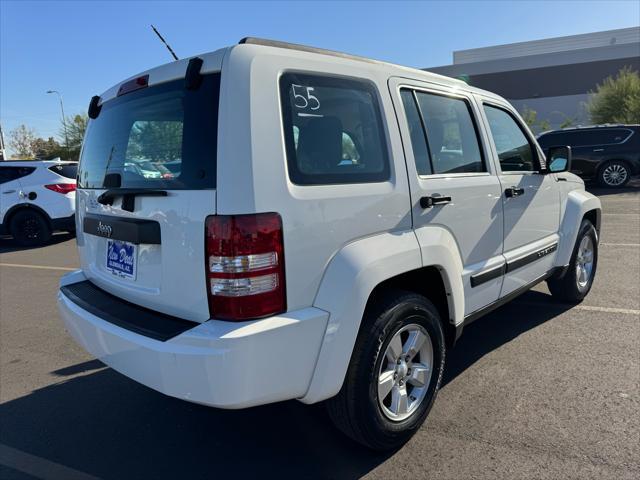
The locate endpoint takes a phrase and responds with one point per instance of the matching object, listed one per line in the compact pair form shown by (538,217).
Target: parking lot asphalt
(536,389)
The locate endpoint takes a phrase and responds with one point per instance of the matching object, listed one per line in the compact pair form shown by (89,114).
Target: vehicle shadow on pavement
(104,425)
(8,245)
(500,327)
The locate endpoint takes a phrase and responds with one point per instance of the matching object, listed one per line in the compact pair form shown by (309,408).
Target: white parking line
(587,308)
(619,244)
(41,267)
(37,466)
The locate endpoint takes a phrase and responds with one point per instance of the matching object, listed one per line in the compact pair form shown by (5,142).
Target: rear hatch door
(146,183)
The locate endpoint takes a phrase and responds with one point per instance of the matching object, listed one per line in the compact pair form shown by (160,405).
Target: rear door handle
(428,202)
(598,149)
(9,191)
(514,192)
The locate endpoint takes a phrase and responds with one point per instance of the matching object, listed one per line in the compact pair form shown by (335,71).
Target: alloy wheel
(614,174)
(584,262)
(405,372)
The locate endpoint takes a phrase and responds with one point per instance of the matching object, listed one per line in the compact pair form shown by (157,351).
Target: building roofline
(621,36)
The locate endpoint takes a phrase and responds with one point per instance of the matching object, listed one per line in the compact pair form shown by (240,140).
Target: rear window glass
(333,130)
(69,170)
(159,137)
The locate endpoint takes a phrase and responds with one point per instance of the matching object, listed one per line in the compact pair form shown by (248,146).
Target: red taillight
(245,266)
(63,188)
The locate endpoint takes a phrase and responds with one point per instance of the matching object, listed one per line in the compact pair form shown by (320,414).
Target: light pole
(64,121)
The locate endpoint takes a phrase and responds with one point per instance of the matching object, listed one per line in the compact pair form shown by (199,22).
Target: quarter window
(610,137)
(515,152)
(66,170)
(333,130)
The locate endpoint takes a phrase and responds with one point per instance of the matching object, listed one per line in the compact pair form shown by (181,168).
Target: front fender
(344,291)
(578,203)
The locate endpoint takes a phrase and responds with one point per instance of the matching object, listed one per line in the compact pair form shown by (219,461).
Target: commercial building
(552,76)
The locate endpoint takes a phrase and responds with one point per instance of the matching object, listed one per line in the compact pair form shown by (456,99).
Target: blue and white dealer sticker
(121,258)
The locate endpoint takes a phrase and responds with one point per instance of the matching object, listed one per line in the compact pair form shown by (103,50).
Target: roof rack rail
(303,48)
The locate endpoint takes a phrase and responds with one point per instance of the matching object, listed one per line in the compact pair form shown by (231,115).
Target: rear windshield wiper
(128,196)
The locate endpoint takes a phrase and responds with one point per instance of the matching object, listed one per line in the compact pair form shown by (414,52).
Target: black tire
(356,410)
(610,172)
(567,288)
(29,228)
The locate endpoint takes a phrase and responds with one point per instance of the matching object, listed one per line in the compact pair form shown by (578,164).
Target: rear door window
(452,137)
(333,130)
(163,136)
(8,174)
(416,132)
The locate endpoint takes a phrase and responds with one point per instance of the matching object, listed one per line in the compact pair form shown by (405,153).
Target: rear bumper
(216,363)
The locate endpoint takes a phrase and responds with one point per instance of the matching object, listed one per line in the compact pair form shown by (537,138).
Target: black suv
(609,154)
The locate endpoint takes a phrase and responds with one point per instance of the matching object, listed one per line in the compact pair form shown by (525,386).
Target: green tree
(567,122)
(544,125)
(617,99)
(156,141)
(47,149)
(21,142)
(73,130)
(530,117)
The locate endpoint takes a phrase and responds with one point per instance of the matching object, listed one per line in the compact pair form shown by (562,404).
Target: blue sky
(82,47)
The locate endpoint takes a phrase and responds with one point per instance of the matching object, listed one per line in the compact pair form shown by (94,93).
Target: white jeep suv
(271,221)
(37,197)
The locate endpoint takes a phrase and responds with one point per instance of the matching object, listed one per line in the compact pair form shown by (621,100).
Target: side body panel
(587,160)
(318,220)
(347,283)
(530,224)
(473,217)
(9,196)
(56,205)
(531,220)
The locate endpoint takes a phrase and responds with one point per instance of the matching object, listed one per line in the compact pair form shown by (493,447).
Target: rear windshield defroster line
(160,137)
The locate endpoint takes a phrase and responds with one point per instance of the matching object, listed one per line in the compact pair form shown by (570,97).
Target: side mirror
(558,159)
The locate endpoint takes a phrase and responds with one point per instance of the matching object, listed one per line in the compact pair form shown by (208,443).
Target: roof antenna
(173,54)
